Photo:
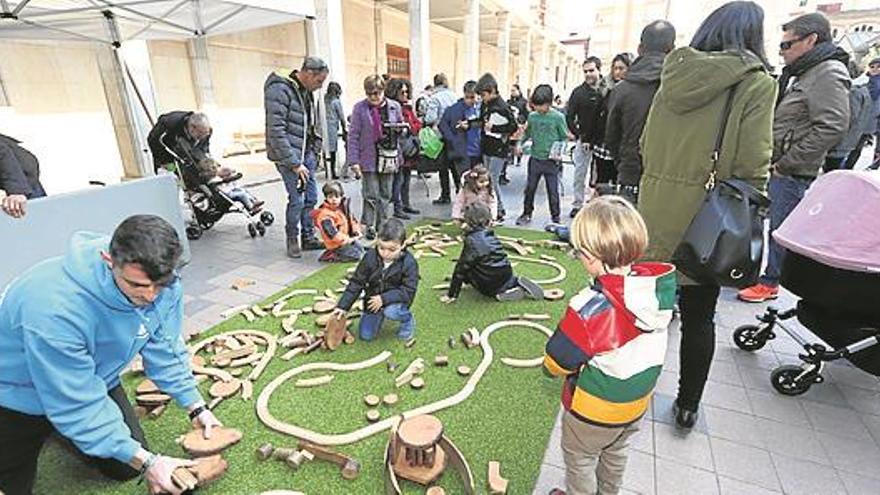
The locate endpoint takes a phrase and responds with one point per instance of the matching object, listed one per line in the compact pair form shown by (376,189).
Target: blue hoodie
(67,332)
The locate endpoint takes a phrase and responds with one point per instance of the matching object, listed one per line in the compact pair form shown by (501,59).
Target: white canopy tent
(113,23)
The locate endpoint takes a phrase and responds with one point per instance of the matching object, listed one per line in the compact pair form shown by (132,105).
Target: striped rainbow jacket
(611,343)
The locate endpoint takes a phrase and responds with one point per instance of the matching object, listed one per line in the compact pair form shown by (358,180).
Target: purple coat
(361,146)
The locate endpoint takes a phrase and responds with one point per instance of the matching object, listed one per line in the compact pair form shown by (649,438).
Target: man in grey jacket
(812,115)
(442,98)
(293,143)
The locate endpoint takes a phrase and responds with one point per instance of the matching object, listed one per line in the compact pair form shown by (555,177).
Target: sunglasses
(786,45)
(374,93)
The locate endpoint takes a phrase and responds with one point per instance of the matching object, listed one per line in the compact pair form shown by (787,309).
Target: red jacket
(415,125)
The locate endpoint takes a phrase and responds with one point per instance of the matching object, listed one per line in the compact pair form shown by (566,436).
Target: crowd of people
(646,146)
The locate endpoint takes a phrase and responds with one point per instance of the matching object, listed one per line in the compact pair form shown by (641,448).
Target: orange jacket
(333,224)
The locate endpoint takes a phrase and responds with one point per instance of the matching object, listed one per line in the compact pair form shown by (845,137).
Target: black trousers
(447,168)
(331,164)
(605,171)
(23,435)
(549,170)
(697,306)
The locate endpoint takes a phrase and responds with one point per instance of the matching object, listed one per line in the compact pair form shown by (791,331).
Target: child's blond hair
(611,229)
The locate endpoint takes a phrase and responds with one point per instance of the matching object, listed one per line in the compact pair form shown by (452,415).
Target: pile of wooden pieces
(428,241)
(234,360)
(210,465)
(151,402)
(304,451)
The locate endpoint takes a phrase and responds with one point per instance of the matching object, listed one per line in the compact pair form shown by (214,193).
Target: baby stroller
(207,200)
(833,265)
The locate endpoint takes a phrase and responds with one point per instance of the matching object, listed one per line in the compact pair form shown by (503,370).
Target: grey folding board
(46,229)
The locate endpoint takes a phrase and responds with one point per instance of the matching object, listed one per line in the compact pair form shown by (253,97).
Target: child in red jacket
(339,231)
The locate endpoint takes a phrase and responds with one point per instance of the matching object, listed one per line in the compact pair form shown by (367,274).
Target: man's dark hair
(440,80)
(477,215)
(392,230)
(592,59)
(488,83)
(542,95)
(470,87)
(735,26)
(658,37)
(148,241)
(807,24)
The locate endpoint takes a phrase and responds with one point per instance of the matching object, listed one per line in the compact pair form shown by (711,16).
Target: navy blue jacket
(455,139)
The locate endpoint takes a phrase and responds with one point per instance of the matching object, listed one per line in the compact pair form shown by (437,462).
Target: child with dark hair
(476,187)
(547,130)
(388,276)
(339,231)
(484,264)
(498,124)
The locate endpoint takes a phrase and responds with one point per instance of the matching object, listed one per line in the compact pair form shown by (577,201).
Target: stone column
(525,57)
(419,44)
(472,39)
(503,52)
(330,38)
(4,97)
(199,65)
(544,62)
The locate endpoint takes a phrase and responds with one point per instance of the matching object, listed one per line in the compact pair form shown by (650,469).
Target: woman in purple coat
(373,152)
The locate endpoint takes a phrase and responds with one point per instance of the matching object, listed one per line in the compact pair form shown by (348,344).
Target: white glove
(208,421)
(158,475)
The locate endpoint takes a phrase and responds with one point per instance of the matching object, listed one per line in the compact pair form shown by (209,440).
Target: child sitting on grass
(388,276)
(476,187)
(484,265)
(609,345)
(339,231)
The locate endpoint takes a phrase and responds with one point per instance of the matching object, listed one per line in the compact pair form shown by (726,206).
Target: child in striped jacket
(610,345)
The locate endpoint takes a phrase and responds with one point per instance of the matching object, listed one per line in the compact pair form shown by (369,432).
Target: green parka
(680,133)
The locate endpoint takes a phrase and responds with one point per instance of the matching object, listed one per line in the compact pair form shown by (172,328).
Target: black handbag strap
(719,138)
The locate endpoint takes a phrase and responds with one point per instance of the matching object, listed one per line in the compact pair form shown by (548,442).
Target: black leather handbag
(724,242)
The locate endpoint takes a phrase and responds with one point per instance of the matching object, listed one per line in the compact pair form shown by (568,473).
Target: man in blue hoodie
(68,327)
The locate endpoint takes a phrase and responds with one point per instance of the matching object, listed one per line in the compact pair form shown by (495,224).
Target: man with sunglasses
(812,116)
(293,144)
(68,327)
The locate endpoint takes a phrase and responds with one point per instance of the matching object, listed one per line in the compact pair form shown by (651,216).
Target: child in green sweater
(548,132)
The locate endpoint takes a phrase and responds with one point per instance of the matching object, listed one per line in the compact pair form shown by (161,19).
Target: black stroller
(833,265)
(206,199)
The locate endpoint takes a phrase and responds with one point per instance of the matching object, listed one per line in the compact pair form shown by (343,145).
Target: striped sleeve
(565,350)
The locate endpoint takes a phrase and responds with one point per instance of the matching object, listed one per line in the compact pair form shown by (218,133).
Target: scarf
(820,53)
(376,119)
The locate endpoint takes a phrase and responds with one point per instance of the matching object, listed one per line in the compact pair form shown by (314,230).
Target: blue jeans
(785,193)
(371,322)
(495,164)
(300,204)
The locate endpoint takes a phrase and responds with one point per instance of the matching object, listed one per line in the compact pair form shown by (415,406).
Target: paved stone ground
(749,440)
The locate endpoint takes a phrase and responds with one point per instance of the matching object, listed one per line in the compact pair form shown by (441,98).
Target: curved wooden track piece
(559,276)
(346,438)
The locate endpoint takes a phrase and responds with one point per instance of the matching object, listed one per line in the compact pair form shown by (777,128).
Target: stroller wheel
(252,230)
(267,218)
(787,380)
(749,338)
(261,229)
(193,232)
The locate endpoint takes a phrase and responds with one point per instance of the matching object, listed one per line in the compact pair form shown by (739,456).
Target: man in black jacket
(584,119)
(498,124)
(19,177)
(179,134)
(484,264)
(630,101)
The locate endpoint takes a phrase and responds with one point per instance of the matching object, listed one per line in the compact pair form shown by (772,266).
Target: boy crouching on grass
(388,276)
(610,344)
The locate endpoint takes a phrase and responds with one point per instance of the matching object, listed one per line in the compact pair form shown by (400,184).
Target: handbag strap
(719,138)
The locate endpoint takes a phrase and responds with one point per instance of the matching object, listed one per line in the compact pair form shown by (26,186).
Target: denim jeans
(349,252)
(400,189)
(495,164)
(376,190)
(371,322)
(242,196)
(549,170)
(785,193)
(300,204)
(583,162)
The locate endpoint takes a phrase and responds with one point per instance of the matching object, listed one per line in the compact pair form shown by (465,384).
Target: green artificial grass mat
(508,418)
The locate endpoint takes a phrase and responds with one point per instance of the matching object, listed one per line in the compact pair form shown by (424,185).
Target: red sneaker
(758,293)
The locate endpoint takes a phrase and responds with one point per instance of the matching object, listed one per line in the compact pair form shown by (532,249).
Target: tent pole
(199,63)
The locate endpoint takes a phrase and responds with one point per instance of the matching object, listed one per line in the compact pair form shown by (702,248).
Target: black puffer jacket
(585,115)
(169,133)
(483,263)
(396,284)
(289,119)
(19,169)
(628,106)
(496,142)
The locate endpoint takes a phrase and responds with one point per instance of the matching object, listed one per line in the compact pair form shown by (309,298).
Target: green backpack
(431,143)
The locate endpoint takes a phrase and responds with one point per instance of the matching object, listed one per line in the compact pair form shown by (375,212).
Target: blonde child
(609,345)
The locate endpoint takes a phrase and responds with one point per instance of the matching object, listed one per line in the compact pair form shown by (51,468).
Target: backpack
(430,142)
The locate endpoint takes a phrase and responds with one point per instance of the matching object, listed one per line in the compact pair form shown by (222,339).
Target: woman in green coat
(726,54)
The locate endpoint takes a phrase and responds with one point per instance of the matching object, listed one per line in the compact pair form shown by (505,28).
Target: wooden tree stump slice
(436,490)
(147,387)
(372,400)
(236,372)
(464,370)
(390,399)
(334,332)
(151,400)
(222,390)
(349,338)
(373,415)
(195,444)
(323,320)
(324,306)
(416,452)
(417,383)
(206,470)
(554,294)
(198,361)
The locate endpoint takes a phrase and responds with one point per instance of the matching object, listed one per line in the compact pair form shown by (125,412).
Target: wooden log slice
(196,445)
(436,490)
(152,400)
(554,294)
(198,361)
(225,389)
(417,383)
(209,469)
(324,306)
(390,399)
(464,370)
(420,432)
(373,415)
(372,400)
(147,387)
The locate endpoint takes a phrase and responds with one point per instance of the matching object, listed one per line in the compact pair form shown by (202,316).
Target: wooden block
(554,294)
(184,479)
(157,411)
(249,315)
(258,311)
(440,287)
(293,353)
(349,338)
(147,387)
(196,445)
(208,469)
(282,453)
(141,411)
(497,484)
(334,332)
(223,390)
(234,354)
(324,306)
(373,415)
(409,343)
(253,358)
(441,360)
(314,382)
(390,399)
(535,317)
(198,361)
(241,283)
(265,451)
(152,400)
(463,370)
(372,400)
(417,383)
(247,389)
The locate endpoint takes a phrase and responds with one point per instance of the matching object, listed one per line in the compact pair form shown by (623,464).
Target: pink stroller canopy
(838,222)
